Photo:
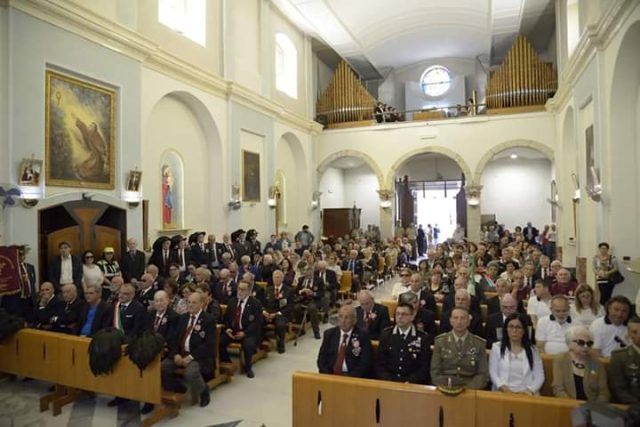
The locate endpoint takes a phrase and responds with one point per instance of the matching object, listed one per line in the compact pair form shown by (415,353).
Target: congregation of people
(187,286)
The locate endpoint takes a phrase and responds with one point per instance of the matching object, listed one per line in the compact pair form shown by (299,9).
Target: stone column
(386,213)
(474,222)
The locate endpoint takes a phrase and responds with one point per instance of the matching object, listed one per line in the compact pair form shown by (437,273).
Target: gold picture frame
(250,176)
(80,127)
(30,172)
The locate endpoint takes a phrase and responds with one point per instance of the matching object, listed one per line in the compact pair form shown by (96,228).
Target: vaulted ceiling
(376,36)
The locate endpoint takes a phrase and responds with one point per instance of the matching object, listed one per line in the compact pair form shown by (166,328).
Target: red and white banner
(9,270)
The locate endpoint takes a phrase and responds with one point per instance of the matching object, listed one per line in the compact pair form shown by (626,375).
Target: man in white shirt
(610,332)
(403,285)
(551,330)
(539,303)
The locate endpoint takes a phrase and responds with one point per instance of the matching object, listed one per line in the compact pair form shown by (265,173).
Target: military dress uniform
(460,364)
(403,357)
(624,375)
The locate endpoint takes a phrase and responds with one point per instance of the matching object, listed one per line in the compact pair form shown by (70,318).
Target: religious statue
(167,197)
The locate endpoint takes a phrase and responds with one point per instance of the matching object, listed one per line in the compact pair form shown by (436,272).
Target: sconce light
(274,195)
(30,198)
(315,199)
(473,195)
(576,186)
(385,198)
(132,198)
(553,198)
(595,192)
(235,202)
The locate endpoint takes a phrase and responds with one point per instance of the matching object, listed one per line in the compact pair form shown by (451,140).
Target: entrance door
(86,225)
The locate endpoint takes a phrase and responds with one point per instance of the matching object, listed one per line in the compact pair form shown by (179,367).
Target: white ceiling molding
(595,37)
(83,22)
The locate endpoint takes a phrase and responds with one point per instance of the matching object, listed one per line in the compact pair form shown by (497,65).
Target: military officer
(403,354)
(624,368)
(278,307)
(459,357)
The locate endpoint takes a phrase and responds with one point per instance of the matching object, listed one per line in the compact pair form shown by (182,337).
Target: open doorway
(436,206)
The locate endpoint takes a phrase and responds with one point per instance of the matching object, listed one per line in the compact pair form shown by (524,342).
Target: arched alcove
(181,123)
(520,143)
(622,192)
(324,164)
(291,167)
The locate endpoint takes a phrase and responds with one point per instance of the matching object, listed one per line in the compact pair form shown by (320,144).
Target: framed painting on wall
(79,133)
(250,176)
(30,172)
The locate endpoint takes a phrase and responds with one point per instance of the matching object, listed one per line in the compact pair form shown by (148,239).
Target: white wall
(332,186)
(515,191)
(360,187)
(428,168)
(342,187)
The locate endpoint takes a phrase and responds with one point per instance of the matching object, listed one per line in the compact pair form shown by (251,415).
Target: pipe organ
(345,99)
(522,79)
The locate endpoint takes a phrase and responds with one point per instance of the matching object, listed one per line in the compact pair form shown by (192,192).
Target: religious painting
(30,171)
(79,133)
(171,179)
(133,183)
(250,176)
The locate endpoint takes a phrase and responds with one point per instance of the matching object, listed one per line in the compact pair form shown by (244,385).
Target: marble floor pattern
(262,401)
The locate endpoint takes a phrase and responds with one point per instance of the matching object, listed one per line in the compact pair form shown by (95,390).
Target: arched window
(186,17)
(435,81)
(286,66)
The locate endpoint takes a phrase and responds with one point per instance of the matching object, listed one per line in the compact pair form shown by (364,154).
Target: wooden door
(85,225)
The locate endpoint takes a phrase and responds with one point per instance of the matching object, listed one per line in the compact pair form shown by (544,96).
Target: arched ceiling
(378,35)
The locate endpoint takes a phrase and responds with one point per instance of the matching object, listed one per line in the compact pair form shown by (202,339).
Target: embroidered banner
(9,270)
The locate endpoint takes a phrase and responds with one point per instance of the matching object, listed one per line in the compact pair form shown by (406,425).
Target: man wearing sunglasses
(624,368)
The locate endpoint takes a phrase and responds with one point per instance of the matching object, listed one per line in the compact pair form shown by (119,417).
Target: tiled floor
(262,401)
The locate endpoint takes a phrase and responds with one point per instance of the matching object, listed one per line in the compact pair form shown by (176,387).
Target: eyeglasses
(404,275)
(89,257)
(515,327)
(583,343)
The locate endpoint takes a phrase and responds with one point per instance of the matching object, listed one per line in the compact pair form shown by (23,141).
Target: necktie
(181,257)
(459,345)
(133,254)
(157,323)
(187,331)
(236,320)
(351,267)
(342,352)
(166,258)
(369,319)
(277,293)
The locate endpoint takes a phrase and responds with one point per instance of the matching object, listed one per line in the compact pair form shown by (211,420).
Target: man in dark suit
(345,349)
(225,288)
(192,348)
(268,267)
(530,233)
(67,318)
(256,291)
(146,292)
(21,304)
(132,263)
(309,293)
(423,319)
(354,265)
(161,255)
(162,319)
(462,299)
(243,324)
(403,354)
(95,314)
(329,281)
(48,305)
(213,252)
(493,328)
(198,249)
(65,268)
(278,307)
(128,314)
(181,255)
(371,316)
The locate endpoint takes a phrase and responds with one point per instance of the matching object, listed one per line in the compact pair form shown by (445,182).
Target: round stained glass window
(435,81)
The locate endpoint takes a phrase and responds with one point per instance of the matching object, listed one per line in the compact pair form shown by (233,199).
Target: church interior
(190,134)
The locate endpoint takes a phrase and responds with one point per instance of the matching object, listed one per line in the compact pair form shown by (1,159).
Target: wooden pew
(328,400)
(64,360)
(502,409)
(391,306)
(320,400)
(547,365)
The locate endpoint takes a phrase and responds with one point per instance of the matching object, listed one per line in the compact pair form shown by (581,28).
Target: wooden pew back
(64,359)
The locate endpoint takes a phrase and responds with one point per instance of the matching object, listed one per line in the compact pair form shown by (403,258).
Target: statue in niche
(168,183)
